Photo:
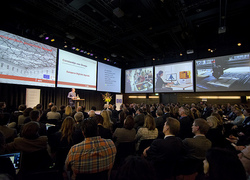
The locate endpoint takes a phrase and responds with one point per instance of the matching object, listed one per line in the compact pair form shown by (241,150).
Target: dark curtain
(14,95)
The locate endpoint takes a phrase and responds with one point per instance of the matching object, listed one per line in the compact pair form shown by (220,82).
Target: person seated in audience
(9,133)
(139,119)
(148,131)
(159,121)
(127,133)
(93,155)
(185,123)
(122,116)
(6,166)
(62,110)
(199,144)
(135,168)
(164,154)
(84,113)
(103,132)
(25,115)
(16,114)
(223,164)
(244,157)
(43,117)
(214,133)
(107,123)
(61,141)
(220,121)
(78,119)
(2,107)
(30,141)
(35,116)
(53,114)
(68,112)
(166,113)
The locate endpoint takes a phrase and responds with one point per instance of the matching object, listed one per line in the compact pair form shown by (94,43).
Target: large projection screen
(76,71)
(27,62)
(224,73)
(109,78)
(176,77)
(139,80)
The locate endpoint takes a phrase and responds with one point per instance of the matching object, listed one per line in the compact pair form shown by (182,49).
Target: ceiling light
(65,46)
(212,51)
(153,59)
(180,54)
(209,49)
(239,44)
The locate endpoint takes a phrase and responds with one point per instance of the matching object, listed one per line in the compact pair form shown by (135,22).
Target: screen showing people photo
(224,73)
(76,71)
(26,62)
(177,77)
(139,80)
(109,78)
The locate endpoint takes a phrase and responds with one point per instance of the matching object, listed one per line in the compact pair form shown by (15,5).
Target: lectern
(78,102)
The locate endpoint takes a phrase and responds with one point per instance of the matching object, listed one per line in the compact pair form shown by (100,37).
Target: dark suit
(104,133)
(159,123)
(185,127)
(139,121)
(164,154)
(166,115)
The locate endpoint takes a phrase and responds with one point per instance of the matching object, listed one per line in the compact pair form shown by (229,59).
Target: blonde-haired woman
(107,123)
(68,112)
(148,131)
(214,134)
(61,142)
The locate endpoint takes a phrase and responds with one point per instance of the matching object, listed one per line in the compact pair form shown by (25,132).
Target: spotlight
(73,48)
(77,49)
(209,49)
(239,44)
(91,54)
(153,59)
(52,40)
(96,57)
(65,46)
(88,53)
(180,54)
(81,51)
(46,38)
(105,59)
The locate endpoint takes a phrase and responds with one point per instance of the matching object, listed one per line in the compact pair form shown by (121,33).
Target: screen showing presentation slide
(224,73)
(76,71)
(177,77)
(139,80)
(27,62)
(109,78)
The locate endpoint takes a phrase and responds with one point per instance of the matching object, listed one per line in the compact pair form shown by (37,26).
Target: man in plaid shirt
(92,155)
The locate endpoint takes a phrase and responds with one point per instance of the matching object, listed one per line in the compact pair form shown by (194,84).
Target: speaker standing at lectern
(72,97)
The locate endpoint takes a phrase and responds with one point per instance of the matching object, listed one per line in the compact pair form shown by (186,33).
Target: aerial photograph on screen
(139,80)
(24,61)
(224,73)
(176,77)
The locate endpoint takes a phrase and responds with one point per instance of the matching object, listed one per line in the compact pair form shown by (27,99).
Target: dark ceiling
(134,32)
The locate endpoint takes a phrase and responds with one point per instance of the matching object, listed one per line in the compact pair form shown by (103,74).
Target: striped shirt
(92,155)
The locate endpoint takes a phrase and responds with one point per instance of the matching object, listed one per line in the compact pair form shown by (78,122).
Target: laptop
(15,159)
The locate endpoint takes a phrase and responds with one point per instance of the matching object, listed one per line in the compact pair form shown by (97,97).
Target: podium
(78,102)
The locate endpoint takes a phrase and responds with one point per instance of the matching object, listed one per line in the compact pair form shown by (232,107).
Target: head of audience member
(171,126)
(50,105)
(34,115)
(68,110)
(218,116)
(27,111)
(2,105)
(246,112)
(244,157)
(2,142)
(22,107)
(135,168)
(183,111)
(39,107)
(79,109)
(78,117)
(166,109)
(99,119)
(67,128)
(106,117)
(200,126)
(30,130)
(139,111)
(54,109)
(89,128)
(223,164)
(212,122)
(91,113)
(149,122)
(122,116)
(238,112)
(62,107)
(159,112)
(129,122)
